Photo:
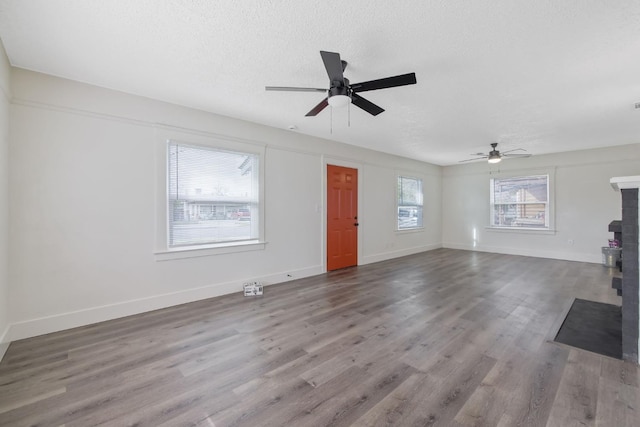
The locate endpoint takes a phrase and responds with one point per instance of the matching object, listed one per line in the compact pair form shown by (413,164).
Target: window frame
(162,250)
(400,176)
(550,204)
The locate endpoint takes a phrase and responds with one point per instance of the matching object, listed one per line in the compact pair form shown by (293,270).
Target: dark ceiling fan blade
(294,89)
(366,105)
(333,65)
(321,106)
(401,80)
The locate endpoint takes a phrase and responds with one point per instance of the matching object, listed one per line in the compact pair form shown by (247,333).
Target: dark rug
(593,326)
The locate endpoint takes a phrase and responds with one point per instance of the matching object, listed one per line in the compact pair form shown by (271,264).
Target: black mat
(593,326)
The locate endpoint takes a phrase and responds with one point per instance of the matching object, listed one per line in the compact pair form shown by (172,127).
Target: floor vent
(252,289)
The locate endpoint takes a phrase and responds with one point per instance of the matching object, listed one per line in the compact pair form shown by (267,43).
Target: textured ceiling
(546,76)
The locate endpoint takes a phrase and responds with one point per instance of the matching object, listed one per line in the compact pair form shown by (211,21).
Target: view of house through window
(212,195)
(520,202)
(409,203)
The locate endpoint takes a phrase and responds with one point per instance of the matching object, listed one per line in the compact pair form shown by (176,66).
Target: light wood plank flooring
(442,338)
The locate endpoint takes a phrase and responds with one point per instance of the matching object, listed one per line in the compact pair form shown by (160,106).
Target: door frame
(327,160)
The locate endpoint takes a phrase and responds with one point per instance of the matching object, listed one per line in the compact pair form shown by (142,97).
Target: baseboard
(369,259)
(536,253)
(59,322)
(4,342)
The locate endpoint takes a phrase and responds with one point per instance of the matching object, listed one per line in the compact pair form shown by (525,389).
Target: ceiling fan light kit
(339,101)
(494,158)
(341,93)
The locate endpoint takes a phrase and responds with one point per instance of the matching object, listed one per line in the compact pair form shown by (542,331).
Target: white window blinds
(409,203)
(212,195)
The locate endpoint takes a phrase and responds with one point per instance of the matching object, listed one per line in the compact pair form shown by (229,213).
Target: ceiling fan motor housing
(494,155)
(339,90)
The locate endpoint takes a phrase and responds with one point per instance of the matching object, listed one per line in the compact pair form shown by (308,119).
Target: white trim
(4,342)
(185,130)
(72,319)
(163,136)
(536,253)
(550,172)
(410,230)
(400,174)
(400,253)
(521,230)
(138,122)
(365,162)
(625,182)
(209,250)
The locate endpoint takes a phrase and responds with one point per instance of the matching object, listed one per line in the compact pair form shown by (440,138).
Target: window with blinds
(212,195)
(409,203)
(520,202)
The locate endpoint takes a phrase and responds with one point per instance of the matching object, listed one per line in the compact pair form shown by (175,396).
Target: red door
(342,217)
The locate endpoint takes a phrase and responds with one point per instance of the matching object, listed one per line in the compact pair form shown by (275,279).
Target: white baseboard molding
(4,342)
(59,322)
(369,259)
(536,253)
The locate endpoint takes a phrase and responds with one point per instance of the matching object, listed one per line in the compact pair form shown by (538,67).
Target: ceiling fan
(341,92)
(495,156)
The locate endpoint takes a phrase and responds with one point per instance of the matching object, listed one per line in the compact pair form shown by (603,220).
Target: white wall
(380,239)
(585,204)
(83,206)
(5,97)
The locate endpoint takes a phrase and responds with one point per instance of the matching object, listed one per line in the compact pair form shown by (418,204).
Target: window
(520,202)
(212,196)
(409,203)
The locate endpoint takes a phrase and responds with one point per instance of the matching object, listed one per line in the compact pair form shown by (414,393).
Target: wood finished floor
(446,338)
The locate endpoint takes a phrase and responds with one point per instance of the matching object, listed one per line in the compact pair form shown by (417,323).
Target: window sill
(409,230)
(521,230)
(209,250)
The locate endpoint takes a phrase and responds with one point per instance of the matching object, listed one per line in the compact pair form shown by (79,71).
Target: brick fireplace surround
(628,187)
